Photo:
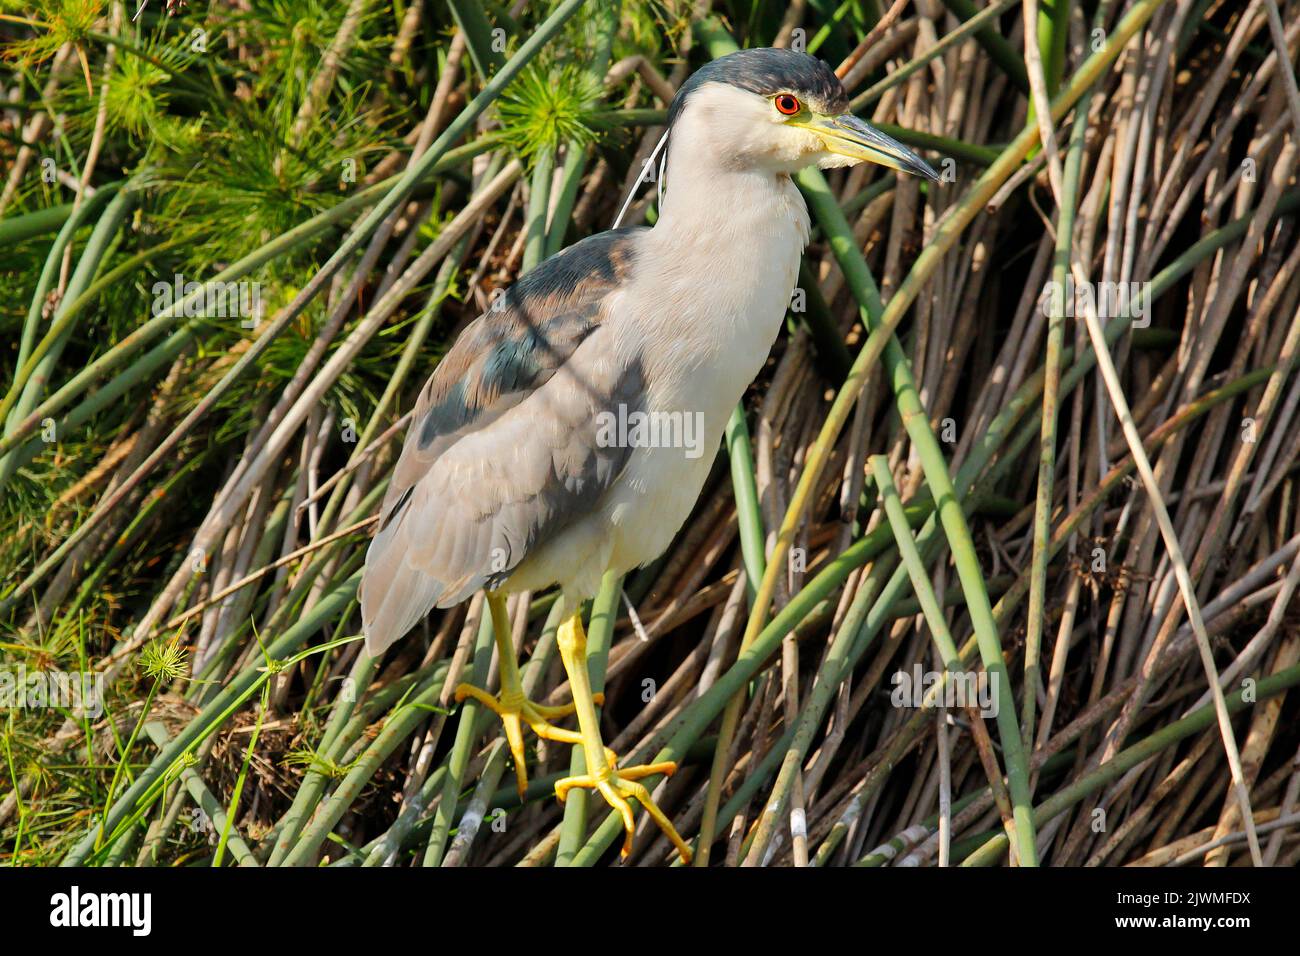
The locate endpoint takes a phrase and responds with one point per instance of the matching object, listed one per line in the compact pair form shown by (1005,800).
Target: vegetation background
(938,470)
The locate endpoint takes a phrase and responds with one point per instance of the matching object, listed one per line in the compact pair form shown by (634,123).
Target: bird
(565,433)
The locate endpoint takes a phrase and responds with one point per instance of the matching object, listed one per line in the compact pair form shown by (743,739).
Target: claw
(514,711)
(617,786)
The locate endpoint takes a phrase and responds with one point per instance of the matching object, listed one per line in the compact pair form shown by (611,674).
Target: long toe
(515,710)
(619,787)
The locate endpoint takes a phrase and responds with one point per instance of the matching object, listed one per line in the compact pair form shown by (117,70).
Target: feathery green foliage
(548,105)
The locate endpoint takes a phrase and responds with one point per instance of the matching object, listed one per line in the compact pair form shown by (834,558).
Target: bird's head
(779,110)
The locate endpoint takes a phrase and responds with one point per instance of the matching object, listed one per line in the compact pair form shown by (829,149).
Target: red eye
(787,104)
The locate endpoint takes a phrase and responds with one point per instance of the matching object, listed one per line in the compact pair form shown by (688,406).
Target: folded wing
(502,453)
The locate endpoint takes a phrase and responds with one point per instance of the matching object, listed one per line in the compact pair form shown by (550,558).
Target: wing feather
(501,453)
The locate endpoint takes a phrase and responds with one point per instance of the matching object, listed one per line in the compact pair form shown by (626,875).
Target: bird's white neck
(708,201)
(717,269)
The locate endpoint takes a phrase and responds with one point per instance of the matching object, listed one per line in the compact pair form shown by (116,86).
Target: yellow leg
(615,785)
(511,705)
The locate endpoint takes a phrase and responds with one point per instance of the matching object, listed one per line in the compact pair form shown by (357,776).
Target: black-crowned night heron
(520,471)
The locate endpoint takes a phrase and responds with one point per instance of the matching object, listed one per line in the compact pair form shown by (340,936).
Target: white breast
(709,293)
(705,309)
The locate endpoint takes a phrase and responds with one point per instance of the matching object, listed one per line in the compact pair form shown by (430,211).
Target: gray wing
(501,453)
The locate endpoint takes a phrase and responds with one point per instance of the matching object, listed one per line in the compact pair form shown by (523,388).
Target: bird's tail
(394,596)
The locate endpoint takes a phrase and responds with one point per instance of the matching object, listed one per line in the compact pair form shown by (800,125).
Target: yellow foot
(515,710)
(617,785)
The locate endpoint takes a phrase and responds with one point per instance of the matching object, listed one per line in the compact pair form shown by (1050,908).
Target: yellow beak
(846,135)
